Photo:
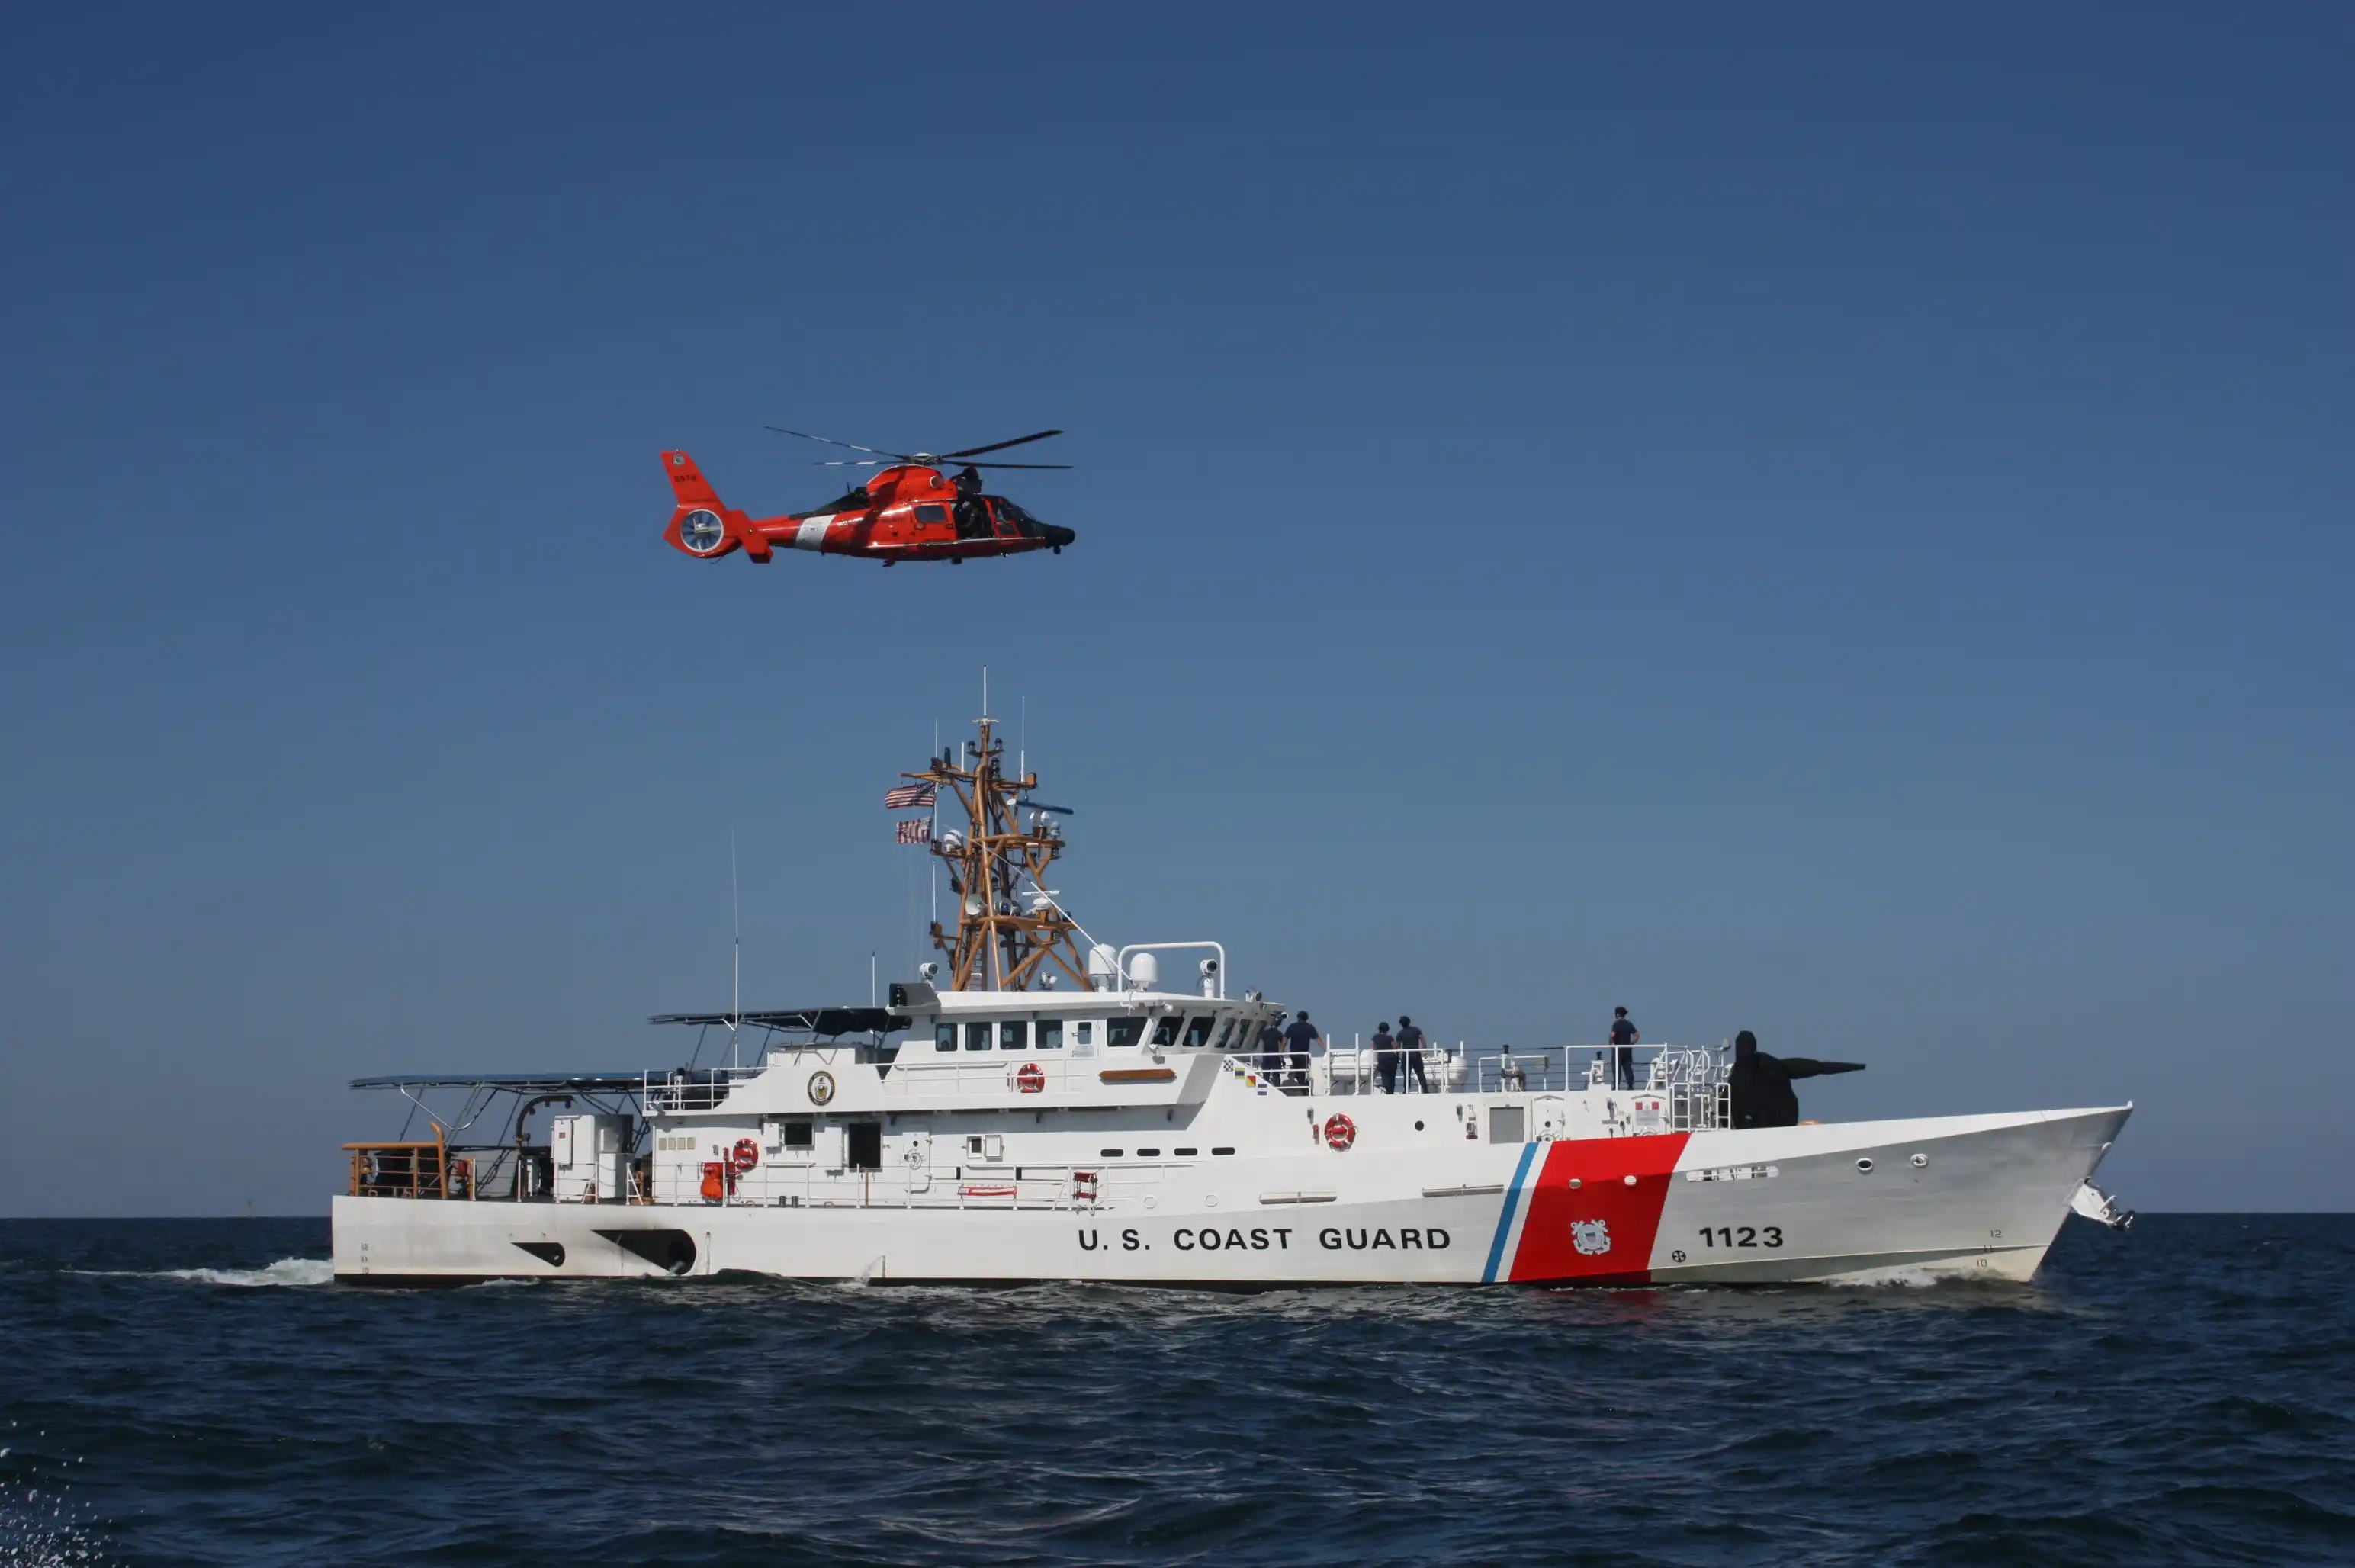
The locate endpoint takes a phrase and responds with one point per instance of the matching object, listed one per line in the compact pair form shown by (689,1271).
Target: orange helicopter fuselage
(908,512)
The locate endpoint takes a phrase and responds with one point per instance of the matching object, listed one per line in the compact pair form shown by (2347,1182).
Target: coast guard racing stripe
(1509,1218)
(1600,1232)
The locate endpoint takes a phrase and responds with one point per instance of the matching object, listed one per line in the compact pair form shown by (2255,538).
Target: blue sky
(1831,524)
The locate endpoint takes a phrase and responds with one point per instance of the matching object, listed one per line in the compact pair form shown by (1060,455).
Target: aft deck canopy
(522,1083)
(817,1020)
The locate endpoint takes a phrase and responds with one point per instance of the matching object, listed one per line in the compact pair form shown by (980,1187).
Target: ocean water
(198,1393)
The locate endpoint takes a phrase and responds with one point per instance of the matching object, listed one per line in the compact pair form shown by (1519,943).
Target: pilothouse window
(1166,1032)
(1051,1034)
(944,1036)
(976,1037)
(1197,1033)
(1124,1032)
(1013,1034)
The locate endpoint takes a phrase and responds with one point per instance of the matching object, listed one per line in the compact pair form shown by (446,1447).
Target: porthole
(1418,1126)
(1920,1162)
(1864,1165)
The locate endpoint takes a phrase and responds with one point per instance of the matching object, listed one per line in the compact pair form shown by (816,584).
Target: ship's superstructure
(1041,1109)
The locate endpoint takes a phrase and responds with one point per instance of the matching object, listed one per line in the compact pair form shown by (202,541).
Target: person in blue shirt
(1301,1035)
(1271,1047)
(1386,1057)
(1410,1046)
(1623,1036)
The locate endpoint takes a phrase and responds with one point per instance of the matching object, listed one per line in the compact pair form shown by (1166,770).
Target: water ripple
(2177,1394)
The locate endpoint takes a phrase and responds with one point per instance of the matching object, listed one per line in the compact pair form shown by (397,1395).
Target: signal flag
(917,830)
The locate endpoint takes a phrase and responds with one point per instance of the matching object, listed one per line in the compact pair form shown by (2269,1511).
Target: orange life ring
(746,1155)
(1030,1078)
(1340,1132)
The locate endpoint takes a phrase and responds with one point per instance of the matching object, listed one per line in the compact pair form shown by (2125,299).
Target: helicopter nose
(1058,536)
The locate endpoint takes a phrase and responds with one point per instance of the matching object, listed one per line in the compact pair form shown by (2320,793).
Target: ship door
(1551,1113)
(919,1158)
(865,1141)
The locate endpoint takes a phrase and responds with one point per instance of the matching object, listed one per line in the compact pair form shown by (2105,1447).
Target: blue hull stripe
(1505,1220)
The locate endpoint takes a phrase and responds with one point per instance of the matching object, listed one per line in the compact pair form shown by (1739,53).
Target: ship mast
(1007,935)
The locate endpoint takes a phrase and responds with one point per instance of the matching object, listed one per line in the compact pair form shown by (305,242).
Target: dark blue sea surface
(196,1393)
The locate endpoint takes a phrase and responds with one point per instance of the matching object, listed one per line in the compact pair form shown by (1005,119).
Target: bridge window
(1197,1033)
(1224,1033)
(1013,1034)
(1087,1033)
(1051,1034)
(944,1036)
(1166,1032)
(976,1037)
(1124,1032)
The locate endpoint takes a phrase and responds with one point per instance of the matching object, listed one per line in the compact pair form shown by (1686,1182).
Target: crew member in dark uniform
(1762,1084)
(1271,1047)
(1386,1057)
(1301,1035)
(1624,1035)
(1410,1044)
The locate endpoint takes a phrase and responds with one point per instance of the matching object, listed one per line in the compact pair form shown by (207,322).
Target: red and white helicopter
(912,510)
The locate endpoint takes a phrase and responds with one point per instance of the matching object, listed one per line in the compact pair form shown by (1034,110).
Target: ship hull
(1968,1197)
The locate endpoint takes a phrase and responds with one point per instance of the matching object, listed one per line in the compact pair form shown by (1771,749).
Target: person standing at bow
(1623,1036)
(1301,1036)
(1385,1049)
(1410,1045)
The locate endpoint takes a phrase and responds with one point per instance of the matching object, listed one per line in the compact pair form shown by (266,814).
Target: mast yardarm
(1007,933)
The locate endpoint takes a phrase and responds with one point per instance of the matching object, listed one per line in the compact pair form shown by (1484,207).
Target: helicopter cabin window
(944,1036)
(930,513)
(976,1037)
(1051,1034)
(1124,1032)
(1166,1032)
(1013,1034)
(1197,1033)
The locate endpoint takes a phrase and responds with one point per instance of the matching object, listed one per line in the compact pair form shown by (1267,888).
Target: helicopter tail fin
(700,523)
(687,481)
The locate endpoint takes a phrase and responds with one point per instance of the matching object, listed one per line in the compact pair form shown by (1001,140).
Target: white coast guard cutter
(993,1126)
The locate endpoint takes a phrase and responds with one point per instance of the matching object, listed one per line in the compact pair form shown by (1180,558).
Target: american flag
(906,797)
(916,830)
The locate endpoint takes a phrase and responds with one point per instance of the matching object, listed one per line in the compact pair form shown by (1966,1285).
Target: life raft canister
(719,1181)
(1340,1132)
(1030,1078)
(746,1155)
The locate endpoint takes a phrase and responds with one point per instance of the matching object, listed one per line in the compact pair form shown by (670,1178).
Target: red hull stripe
(1602,1229)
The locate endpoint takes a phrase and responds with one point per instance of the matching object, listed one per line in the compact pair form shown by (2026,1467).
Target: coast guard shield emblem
(1591,1237)
(821,1087)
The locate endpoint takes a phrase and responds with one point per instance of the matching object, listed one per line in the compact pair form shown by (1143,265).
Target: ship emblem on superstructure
(1591,1237)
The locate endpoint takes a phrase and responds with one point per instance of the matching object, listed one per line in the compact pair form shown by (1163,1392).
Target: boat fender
(1340,1132)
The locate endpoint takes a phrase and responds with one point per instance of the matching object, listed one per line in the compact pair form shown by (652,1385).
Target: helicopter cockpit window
(1024,523)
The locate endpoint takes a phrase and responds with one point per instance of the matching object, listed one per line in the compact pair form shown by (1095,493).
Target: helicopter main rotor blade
(893,463)
(1002,445)
(853,445)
